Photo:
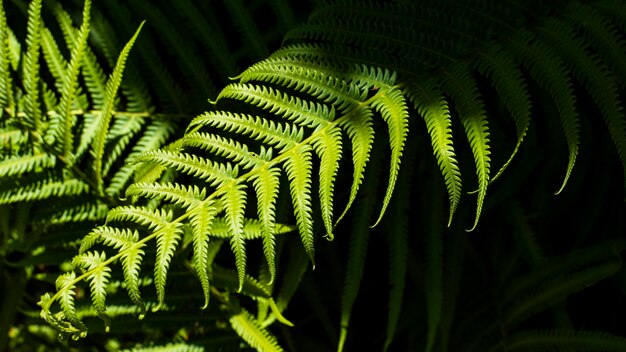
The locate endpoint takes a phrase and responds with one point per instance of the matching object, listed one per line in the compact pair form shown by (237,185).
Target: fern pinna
(353,73)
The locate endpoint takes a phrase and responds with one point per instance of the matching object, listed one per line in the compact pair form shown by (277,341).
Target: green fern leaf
(234,201)
(500,66)
(6,88)
(266,185)
(31,66)
(361,132)
(248,328)
(167,240)
(463,89)
(173,193)
(595,75)
(104,119)
(225,147)
(282,136)
(67,293)
(391,104)
(327,145)
(99,279)
(201,220)
(213,173)
(298,167)
(153,218)
(434,109)
(28,163)
(303,113)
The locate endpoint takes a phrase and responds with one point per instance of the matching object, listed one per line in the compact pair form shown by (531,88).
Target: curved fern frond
(250,331)
(434,109)
(463,89)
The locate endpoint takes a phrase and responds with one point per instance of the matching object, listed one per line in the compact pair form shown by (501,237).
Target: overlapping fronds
(336,87)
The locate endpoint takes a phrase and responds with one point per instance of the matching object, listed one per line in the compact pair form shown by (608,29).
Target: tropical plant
(328,134)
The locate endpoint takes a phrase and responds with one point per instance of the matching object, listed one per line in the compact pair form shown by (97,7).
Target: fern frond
(392,106)
(298,167)
(303,113)
(213,173)
(173,193)
(28,163)
(595,75)
(166,245)
(234,200)
(92,261)
(225,147)
(66,119)
(499,65)
(433,108)
(282,136)
(43,190)
(549,71)
(64,284)
(327,145)
(6,86)
(266,185)
(463,89)
(107,110)
(359,128)
(250,331)
(201,221)
(31,66)
(317,82)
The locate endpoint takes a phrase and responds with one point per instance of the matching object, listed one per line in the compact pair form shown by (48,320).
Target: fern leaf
(298,167)
(31,66)
(23,164)
(66,290)
(99,277)
(392,106)
(597,78)
(173,193)
(166,245)
(319,83)
(266,185)
(213,173)
(44,190)
(303,113)
(500,66)
(234,201)
(6,89)
(327,145)
(201,220)
(225,147)
(252,229)
(463,89)
(361,132)
(282,136)
(141,215)
(433,108)
(67,119)
(104,119)
(249,330)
